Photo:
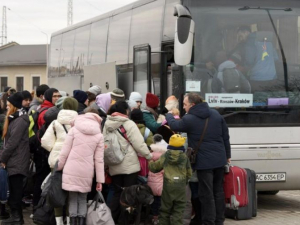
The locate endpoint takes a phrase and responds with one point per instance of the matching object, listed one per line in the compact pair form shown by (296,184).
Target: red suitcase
(235,187)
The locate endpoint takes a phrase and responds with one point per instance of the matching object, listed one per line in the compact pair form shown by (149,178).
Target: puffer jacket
(155,180)
(82,154)
(149,138)
(215,147)
(55,135)
(130,164)
(176,166)
(15,153)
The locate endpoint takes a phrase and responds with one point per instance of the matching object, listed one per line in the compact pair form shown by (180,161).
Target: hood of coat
(89,123)
(226,65)
(175,157)
(66,116)
(115,121)
(200,110)
(36,101)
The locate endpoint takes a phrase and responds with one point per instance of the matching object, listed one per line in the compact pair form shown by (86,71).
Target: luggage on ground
(98,212)
(235,187)
(249,211)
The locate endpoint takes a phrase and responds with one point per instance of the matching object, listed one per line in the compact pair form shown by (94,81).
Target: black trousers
(211,195)
(42,171)
(123,180)
(15,192)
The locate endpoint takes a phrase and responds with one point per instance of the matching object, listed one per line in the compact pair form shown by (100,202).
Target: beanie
(132,104)
(70,103)
(117,94)
(176,141)
(96,90)
(49,93)
(137,116)
(16,100)
(171,103)
(152,100)
(59,102)
(80,96)
(135,96)
(63,93)
(26,95)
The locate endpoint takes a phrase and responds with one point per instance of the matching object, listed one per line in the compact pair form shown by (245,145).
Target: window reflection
(54,53)
(80,49)
(146,25)
(66,51)
(98,40)
(118,37)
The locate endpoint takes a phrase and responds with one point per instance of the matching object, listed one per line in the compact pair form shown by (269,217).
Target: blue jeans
(211,196)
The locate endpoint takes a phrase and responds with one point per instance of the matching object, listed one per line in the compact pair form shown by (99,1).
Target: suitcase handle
(239,185)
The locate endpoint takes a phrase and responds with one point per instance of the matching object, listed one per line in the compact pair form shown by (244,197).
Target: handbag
(3,185)
(144,166)
(192,153)
(98,212)
(56,196)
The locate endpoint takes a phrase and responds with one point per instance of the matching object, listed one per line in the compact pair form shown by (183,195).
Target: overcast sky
(27,19)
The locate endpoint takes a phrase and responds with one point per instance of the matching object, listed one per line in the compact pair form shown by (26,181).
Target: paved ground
(283,208)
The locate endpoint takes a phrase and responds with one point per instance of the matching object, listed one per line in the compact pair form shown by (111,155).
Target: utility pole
(4,27)
(70,12)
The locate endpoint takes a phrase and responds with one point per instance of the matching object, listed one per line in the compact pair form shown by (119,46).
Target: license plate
(269,177)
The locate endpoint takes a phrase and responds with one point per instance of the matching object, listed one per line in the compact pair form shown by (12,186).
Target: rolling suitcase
(250,210)
(235,187)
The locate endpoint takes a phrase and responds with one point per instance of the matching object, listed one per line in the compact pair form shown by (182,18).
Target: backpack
(232,80)
(44,213)
(34,128)
(113,154)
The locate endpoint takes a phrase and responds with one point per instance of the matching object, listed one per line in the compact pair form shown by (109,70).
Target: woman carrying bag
(15,155)
(54,138)
(81,155)
(130,140)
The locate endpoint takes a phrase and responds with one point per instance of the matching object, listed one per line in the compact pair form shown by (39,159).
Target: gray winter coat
(15,153)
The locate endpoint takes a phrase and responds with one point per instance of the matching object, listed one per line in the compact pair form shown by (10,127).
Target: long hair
(12,110)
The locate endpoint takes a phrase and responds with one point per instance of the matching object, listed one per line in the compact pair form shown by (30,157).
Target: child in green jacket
(177,172)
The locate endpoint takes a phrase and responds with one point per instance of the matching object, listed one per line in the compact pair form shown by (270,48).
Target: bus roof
(105,15)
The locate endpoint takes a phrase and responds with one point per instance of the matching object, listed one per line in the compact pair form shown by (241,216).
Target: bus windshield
(246,61)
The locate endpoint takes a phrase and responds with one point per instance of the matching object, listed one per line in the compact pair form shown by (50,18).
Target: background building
(22,67)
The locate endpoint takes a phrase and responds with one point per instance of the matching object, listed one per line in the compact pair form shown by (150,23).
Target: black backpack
(44,213)
(232,80)
(34,140)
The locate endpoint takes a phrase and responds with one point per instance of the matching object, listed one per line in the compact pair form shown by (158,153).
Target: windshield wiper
(253,112)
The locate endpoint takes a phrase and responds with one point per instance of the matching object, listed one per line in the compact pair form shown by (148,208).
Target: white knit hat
(96,90)
(135,96)
(132,104)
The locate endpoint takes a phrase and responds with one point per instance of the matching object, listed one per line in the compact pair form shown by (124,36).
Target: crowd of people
(58,132)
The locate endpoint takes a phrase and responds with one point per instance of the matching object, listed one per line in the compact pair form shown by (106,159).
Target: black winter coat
(215,147)
(16,153)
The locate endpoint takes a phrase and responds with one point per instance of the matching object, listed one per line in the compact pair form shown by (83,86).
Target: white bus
(173,47)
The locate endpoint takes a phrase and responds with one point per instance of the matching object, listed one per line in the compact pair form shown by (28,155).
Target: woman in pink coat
(81,155)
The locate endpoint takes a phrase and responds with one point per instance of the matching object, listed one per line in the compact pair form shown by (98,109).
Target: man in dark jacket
(213,153)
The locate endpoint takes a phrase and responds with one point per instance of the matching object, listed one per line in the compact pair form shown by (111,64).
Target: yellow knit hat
(176,140)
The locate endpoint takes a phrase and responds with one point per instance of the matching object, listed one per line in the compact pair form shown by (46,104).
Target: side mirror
(184,36)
